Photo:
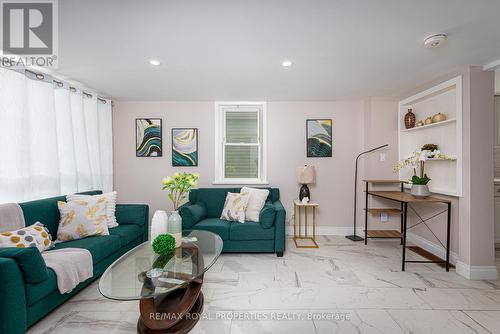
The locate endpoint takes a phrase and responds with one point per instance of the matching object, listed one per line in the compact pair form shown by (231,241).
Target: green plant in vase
(178,186)
(420,180)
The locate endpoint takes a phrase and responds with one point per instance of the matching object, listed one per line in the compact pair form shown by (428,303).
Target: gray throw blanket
(71,265)
(11,217)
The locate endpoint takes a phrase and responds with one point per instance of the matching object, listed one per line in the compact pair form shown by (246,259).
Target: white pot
(158,224)
(420,190)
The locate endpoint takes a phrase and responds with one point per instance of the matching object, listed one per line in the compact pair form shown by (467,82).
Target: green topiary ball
(164,244)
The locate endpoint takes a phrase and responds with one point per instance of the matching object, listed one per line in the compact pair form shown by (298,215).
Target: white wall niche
(446,176)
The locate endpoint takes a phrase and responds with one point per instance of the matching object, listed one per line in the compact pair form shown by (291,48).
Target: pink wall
(481,168)
(138,179)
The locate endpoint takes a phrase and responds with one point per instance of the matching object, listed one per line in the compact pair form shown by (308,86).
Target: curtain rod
(41,76)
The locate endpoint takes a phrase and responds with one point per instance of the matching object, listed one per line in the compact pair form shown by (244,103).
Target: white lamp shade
(306,175)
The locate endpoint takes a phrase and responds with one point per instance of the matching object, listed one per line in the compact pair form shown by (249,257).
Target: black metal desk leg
(405,217)
(401,214)
(448,238)
(401,219)
(366,214)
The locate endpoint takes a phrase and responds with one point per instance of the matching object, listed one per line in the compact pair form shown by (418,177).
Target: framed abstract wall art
(184,147)
(319,138)
(148,135)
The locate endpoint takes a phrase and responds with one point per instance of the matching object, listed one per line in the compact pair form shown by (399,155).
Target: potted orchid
(417,160)
(178,185)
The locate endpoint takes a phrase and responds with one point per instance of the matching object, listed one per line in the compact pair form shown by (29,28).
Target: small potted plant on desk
(419,186)
(416,160)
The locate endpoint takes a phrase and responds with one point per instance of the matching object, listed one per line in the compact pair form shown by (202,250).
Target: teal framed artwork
(184,147)
(148,137)
(319,138)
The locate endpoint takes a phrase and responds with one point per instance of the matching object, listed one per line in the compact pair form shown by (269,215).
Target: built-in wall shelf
(438,159)
(445,98)
(424,127)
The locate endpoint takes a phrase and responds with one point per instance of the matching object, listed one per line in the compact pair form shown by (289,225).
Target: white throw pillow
(234,207)
(36,235)
(82,218)
(110,205)
(256,201)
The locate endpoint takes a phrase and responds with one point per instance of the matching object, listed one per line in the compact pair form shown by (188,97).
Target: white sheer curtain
(52,140)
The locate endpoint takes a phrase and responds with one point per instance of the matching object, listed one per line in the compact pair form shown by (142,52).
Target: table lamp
(305,175)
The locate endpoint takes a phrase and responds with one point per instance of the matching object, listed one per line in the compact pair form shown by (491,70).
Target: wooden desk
(297,206)
(404,199)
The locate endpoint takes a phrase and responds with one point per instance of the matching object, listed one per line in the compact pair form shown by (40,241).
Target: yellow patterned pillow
(82,218)
(234,207)
(35,235)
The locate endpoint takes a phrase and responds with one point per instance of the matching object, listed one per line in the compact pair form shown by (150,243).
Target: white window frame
(220,142)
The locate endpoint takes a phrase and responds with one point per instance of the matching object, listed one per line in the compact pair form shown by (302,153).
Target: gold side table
(297,209)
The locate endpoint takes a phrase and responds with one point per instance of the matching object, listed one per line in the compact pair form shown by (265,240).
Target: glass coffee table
(168,287)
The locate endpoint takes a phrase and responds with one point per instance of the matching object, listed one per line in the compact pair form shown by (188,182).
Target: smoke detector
(433,41)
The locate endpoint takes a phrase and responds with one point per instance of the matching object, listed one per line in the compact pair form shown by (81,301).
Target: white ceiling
(232,50)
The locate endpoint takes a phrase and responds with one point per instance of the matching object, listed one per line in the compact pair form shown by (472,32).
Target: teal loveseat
(29,289)
(203,212)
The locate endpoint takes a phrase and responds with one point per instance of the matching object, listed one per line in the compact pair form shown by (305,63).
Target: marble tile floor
(342,287)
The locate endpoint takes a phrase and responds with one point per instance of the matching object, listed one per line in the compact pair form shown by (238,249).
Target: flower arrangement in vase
(417,160)
(178,185)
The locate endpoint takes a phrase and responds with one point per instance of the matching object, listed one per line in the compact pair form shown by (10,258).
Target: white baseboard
(488,273)
(431,247)
(329,230)
(463,269)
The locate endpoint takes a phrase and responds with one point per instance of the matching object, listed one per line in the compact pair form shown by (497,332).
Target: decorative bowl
(438,118)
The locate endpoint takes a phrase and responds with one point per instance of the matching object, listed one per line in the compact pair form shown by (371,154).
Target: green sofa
(203,212)
(29,289)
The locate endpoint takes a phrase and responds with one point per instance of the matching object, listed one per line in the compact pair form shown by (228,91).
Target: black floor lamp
(354,237)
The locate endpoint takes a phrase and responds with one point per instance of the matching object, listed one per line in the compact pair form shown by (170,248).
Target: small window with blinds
(240,134)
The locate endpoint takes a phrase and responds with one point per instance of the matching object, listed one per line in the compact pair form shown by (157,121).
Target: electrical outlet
(382,156)
(384,217)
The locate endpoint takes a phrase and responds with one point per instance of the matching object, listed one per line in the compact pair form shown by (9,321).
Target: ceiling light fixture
(154,62)
(435,40)
(286,63)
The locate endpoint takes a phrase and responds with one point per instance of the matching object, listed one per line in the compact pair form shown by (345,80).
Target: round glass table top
(141,273)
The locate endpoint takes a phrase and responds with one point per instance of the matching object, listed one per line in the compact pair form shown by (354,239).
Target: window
(240,133)
(53,139)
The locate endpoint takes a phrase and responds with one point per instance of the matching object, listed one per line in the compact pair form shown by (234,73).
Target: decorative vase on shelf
(410,119)
(439,117)
(420,190)
(428,121)
(158,224)
(174,227)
